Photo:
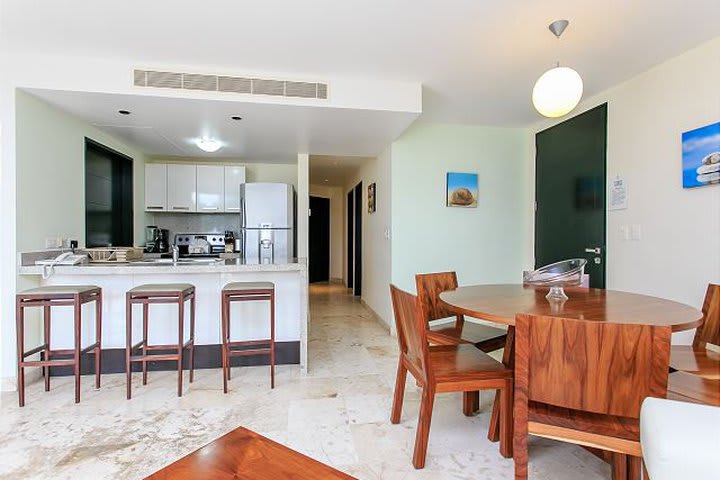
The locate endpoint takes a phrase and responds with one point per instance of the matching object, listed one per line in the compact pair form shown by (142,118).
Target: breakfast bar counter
(209,276)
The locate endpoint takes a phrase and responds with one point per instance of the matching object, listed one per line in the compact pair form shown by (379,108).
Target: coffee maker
(156,240)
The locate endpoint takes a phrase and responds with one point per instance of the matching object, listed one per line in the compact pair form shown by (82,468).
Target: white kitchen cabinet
(210,188)
(155,187)
(181,188)
(234,177)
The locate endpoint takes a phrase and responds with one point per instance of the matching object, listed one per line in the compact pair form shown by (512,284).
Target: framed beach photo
(462,190)
(371,198)
(701,156)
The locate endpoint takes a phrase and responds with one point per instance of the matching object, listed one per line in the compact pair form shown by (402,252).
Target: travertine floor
(338,414)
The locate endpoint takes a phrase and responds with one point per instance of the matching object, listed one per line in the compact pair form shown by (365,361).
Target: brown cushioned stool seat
(249,286)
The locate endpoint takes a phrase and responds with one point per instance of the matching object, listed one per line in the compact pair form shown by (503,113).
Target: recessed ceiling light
(209,145)
(326,179)
(124,112)
(236,117)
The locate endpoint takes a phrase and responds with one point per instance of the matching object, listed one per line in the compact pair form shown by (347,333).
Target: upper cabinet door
(234,177)
(210,188)
(181,188)
(155,187)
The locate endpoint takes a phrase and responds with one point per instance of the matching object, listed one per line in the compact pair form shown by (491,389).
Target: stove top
(198,245)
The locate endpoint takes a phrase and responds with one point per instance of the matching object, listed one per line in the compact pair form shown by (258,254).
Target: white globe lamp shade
(557,92)
(209,145)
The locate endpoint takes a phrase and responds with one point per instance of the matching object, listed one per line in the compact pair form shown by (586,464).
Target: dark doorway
(357,284)
(319,245)
(108,197)
(570,167)
(350,239)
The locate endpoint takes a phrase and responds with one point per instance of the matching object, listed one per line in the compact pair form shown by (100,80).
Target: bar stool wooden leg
(181,329)
(145,308)
(224,320)
(128,344)
(19,318)
(272,339)
(228,337)
(192,337)
(76,367)
(98,338)
(46,354)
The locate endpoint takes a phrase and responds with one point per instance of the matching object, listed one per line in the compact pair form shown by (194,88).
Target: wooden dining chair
(697,359)
(584,382)
(429,286)
(442,369)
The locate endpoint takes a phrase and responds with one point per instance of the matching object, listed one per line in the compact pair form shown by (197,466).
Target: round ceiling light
(209,145)
(558,91)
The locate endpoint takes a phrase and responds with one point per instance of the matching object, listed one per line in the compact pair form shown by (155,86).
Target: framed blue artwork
(462,190)
(701,156)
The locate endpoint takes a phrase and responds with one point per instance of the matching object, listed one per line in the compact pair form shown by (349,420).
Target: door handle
(595,250)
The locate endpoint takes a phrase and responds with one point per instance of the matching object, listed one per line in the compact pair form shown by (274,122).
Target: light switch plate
(625,232)
(53,242)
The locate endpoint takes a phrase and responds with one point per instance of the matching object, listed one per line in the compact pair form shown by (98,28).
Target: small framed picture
(701,156)
(371,198)
(462,190)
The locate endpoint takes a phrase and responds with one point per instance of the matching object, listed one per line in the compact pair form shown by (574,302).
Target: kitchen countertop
(148,267)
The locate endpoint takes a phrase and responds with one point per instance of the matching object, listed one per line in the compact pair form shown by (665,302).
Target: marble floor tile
(337,413)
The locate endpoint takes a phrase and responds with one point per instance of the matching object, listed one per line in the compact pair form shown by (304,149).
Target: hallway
(338,414)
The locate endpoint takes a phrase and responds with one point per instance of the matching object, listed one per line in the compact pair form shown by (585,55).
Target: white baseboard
(378,318)
(9,384)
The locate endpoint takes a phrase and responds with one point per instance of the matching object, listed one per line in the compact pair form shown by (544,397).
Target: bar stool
(57,296)
(247,292)
(147,295)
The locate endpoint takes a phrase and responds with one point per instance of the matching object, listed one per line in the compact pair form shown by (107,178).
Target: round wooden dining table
(500,304)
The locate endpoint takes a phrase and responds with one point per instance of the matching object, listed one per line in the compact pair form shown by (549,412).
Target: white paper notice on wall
(617,194)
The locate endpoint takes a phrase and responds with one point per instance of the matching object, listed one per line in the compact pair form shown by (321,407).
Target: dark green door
(570,192)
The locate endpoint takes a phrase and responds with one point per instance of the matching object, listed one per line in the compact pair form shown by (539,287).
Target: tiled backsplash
(196,223)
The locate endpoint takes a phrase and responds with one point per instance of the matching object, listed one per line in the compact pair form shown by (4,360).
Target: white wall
(487,244)
(50,197)
(679,250)
(337,212)
(376,245)
(50,153)
(303,203)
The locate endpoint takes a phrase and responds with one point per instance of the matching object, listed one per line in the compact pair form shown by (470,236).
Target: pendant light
(558,91)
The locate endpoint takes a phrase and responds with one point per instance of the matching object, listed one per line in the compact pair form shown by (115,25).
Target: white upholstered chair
(680,440)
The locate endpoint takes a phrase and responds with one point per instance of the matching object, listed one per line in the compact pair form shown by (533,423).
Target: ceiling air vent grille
(164,79)
(234,84)
(267,87)
(220,83)
(193,81)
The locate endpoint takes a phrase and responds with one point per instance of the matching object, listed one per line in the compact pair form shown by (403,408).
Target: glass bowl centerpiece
(567,273)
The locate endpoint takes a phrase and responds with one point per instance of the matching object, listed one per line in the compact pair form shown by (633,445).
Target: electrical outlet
(635,232)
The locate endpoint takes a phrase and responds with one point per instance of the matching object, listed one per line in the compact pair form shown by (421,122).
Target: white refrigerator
(267,222)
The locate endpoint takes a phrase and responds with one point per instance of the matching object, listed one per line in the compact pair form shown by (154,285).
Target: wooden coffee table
(243,454)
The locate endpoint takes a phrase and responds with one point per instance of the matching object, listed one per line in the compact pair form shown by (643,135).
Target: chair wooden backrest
(429,286)
(604,368)
(411,331)
(709,331)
